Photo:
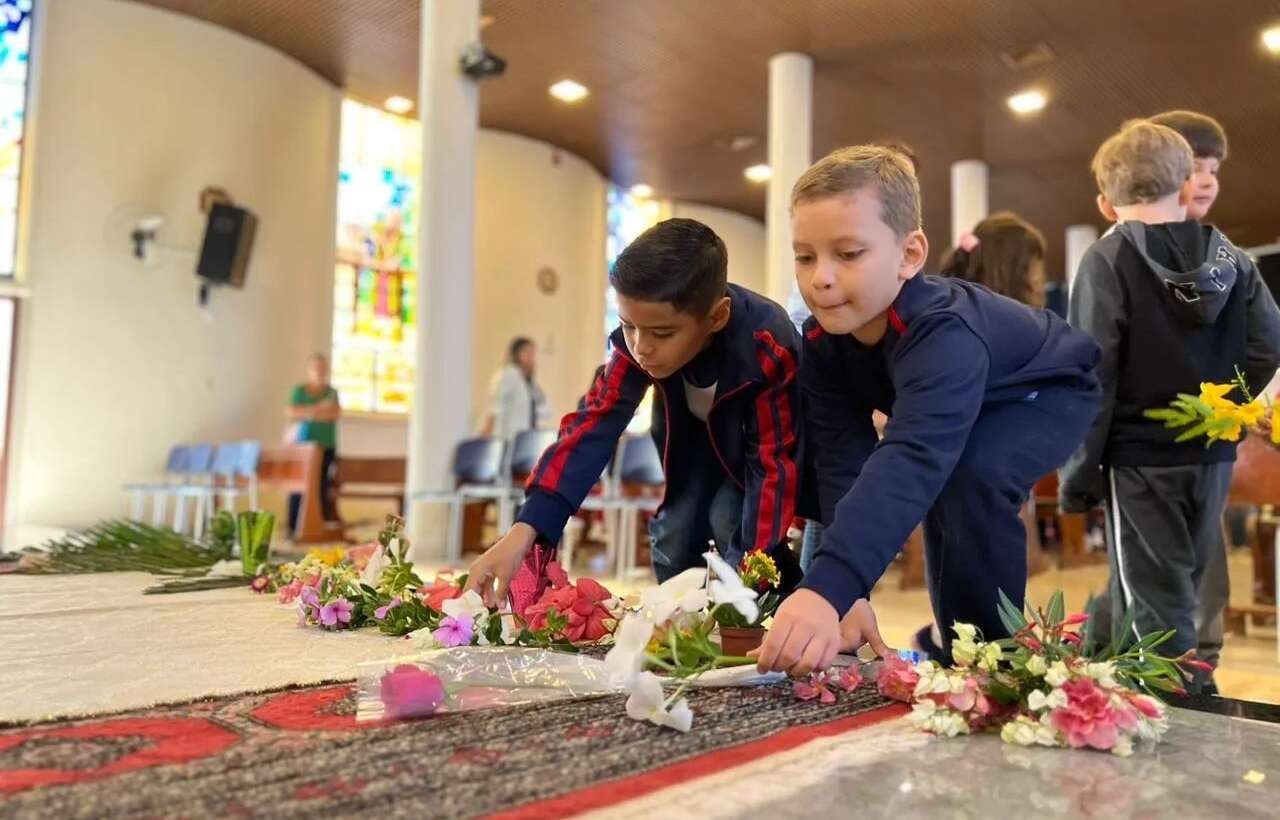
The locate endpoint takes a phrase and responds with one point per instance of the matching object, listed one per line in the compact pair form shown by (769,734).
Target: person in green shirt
(314,410)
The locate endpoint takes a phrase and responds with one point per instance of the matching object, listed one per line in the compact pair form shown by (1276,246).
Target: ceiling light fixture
(1028,102)
(398,105)
(1271,39)
(568,91)
(758,173)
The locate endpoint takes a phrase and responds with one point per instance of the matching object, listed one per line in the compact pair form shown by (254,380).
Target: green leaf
(1010,616)
(1057,609)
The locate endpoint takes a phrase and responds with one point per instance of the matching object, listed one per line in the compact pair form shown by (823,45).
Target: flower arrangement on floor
(1051,684)
(1215,417)
(671,632)
(376,584)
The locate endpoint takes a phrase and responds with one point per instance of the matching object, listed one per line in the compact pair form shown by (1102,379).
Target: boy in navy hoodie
(1173,304)
(724,362)
(984,396)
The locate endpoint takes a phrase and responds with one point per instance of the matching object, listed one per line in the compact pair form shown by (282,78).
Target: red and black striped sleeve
(588,436)
(772,477)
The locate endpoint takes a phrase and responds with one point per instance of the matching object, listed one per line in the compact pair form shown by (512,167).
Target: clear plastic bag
(475,677)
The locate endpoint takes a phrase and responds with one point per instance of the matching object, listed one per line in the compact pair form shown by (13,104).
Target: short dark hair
(517,345)
(680,261)
(1202,132)
(902,148)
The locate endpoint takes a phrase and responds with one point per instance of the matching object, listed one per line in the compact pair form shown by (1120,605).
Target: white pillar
(1079,238)
(968,196)
(790,154)
(448,106)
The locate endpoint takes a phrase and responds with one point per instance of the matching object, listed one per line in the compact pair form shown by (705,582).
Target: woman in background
(516,403)
(314,410)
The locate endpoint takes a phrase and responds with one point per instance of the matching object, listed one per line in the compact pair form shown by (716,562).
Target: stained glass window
(375,278)
(15,48)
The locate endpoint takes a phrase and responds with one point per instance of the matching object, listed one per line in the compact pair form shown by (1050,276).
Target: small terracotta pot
(737,641)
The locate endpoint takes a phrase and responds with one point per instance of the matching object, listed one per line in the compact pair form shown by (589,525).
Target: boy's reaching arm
(1263,343)
(1097,307)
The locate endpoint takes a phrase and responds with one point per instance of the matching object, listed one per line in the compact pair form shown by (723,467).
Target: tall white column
(1079,238)
(448,105)
(968,196)
(790,154)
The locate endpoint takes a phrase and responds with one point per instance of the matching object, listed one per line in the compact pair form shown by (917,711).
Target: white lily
(649,702)
(683,593)
(727,588)
(373,570)
(626,657)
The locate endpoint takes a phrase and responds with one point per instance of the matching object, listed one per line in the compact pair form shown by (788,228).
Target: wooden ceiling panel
(672,81)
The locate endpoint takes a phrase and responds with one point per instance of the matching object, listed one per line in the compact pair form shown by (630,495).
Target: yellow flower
(1275,425)
(758,567)
(330,557)
(1215,395)
(1250,414)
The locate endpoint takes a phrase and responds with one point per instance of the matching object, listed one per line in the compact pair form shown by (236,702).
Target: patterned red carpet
(300,753)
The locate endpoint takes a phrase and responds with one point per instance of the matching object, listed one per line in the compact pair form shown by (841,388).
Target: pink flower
(455,631)
(441,590)
(1198,664)
(897,679)
(1071,638)
(408,691)
(289,591)
(380,613)
(1076,619)
(1087,719)
(556,574)
(359,556)
(970,698)
(850,678)
(1148,706)
(260,583)
(814,686)
(582,604)
(336,613)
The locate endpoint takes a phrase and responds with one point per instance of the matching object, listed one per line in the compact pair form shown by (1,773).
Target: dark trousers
(975,541)
(327,504)
(1164,542)
(707,507)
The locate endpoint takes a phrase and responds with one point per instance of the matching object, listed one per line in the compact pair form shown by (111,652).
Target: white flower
(922,713)
(1037,700)
(1103,673)
(232,569)
(626,657)
(1019,732)
(683,593)
(373,570)
(933,681)
(727,588)
(964,651)
(1047,735)
(1123,747)
(422,639)
(649,702)
(1057,674)
(990,656)
(965,632)
(1036,666)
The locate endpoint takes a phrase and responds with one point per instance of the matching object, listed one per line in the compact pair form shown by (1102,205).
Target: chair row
(204,474)
(489,469)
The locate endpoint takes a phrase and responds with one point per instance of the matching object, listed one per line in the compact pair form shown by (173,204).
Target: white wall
(137,110)
(743,236)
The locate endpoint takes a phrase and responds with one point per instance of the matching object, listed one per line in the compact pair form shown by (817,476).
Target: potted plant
(738,634)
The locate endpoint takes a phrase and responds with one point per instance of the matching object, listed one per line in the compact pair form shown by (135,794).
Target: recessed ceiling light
(399,105)
(1028,102)
(487,20)
(1271,39)
(641,191)
(758,173)
(568,91)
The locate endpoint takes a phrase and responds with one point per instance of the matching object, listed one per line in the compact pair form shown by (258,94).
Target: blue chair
(234,474)
(174,469)
(634,486)
(196,480)
(477,475)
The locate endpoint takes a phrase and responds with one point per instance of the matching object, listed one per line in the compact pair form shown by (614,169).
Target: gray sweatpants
(1168,558)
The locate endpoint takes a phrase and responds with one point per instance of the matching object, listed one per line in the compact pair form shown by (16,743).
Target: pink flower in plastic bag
(455,631)
(583,605)
(408,691)
(1087,719)
(897,679)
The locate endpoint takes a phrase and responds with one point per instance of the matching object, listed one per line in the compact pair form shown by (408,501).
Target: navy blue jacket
(951,347)
(754,427)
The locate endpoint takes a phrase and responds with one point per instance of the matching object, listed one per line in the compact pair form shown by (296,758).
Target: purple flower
(336,612)
(381,612)
(454,631)
(308,596)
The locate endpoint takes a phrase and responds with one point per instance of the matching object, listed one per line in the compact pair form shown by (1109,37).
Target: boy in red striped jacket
(723,361)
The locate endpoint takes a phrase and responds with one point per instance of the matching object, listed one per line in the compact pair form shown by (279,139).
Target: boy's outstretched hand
(492,572)
(805,636)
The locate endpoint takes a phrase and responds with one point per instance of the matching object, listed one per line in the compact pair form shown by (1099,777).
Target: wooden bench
(370,478)
(295,468)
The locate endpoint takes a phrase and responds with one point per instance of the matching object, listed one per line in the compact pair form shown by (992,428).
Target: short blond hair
(1142,162)
(882,169)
